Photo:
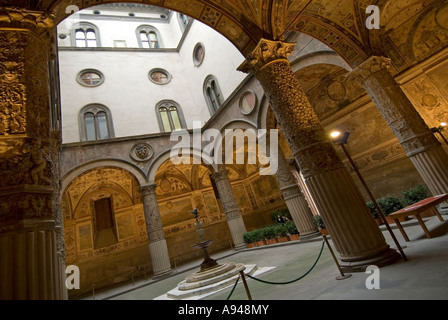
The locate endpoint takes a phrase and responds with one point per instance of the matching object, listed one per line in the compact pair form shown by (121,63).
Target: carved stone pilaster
(419,142)
(30,217)
(231,209)
(27,167)
(344,211)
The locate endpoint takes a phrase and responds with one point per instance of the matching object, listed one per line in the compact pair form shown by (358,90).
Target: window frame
(149,29)
(167,104)
(208,85)
(95,109)
(169,76)
(85,27)
(82,72)
(196,62)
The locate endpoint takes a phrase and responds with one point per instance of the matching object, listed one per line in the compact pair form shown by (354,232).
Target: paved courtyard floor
(423,277)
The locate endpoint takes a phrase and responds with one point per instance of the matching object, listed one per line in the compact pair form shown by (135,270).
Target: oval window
(159,76)
(248,102)
(90,78)
(198,54)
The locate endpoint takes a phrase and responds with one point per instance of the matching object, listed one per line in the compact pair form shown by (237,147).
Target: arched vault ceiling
(245,22)
(340,24)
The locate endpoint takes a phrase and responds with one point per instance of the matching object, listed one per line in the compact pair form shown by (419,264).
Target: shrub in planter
(414,195)
(257,235)
(248,237)
(291,227)
(389,204)
(280,230)
(269,232)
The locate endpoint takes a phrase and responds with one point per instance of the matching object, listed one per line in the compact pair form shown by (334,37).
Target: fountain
(212,276)
(204,244)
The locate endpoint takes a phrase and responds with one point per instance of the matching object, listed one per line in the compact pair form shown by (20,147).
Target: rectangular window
(103,129)
(90,126)
(165,120)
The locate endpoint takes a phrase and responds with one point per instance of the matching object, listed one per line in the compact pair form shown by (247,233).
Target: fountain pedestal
(208,262)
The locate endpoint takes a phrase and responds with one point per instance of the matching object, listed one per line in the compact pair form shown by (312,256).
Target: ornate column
(295,200)
(30,219)
(419,142)
(157,244)
(233,214)
(357,238)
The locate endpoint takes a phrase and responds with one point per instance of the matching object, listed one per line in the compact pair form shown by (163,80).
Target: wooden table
(416,209)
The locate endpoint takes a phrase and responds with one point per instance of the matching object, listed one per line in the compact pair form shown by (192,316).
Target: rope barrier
(281,283)
(233,289)
(301,277)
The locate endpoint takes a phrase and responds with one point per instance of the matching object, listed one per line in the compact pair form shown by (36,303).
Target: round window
(198,54)
(90,78)
(248,101)
(159,76)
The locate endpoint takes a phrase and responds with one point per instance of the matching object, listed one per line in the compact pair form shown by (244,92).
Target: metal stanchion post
(243,276)
(342,276)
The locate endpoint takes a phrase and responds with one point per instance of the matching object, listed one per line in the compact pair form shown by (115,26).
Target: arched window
(95,123)
(149,37)
(170,116)
(213,94)
(85,35)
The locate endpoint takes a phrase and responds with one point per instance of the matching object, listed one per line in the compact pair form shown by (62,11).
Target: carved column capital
(266,52)
(148,189)
(220,175)
(369,67)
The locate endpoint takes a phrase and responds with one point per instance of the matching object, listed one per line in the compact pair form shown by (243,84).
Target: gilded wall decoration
(429,96)
(125,225)
(423,35)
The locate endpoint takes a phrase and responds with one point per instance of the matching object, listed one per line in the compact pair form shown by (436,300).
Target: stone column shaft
(356,236)
(419,142)
(31,244)
(231,209)
(294,199)
(157,244)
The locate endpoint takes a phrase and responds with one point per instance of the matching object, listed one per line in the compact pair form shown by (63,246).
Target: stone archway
(104,227)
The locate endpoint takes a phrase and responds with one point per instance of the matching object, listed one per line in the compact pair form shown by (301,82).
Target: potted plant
(281,232)
(390,204)
(258,237)
(269,235)
(375,213)
(293,233)
(416,194)
(319,223)
(249,240)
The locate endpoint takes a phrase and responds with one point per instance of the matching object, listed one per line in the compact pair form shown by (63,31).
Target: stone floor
(424,276)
